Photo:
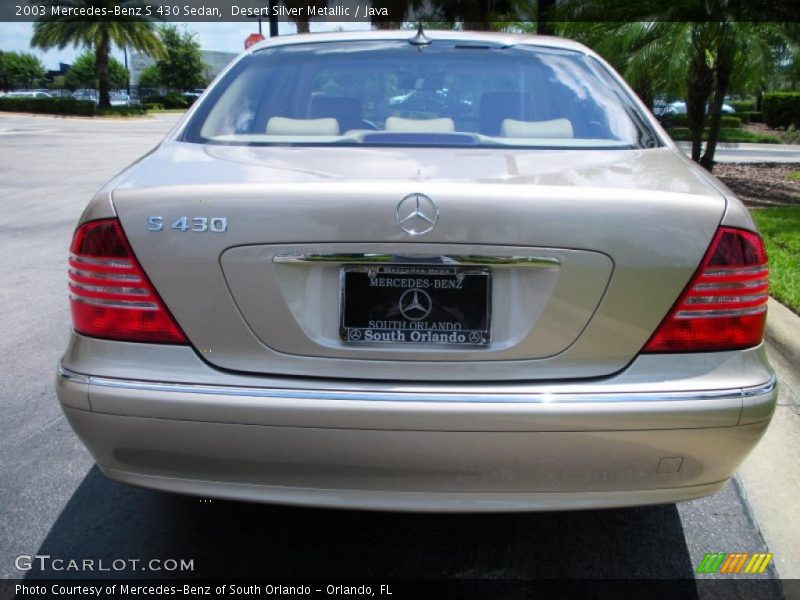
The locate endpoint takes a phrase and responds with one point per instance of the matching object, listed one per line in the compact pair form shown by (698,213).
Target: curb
(783,330)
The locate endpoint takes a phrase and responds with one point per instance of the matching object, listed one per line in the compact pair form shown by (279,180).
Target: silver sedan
(509,291)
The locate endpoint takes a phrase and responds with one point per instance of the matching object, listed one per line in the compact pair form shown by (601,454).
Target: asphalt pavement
(53,500)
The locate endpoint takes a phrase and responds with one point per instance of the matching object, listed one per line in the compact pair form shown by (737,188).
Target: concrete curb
(783,330)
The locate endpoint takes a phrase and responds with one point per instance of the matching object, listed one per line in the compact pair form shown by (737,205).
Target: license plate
(407,304)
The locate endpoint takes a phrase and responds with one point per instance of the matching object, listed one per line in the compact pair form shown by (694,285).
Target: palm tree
(637,50)
(667,53)
(98,32)
(743,53)
(303,19)
(400,11)
(462,14)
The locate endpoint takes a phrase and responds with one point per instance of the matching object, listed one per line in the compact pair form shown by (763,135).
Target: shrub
(729,122)
(792,136)
(53,106)
(171,100)
(726,122)
(675,120)
(180,101)
(749,116)
(123,111)
(743,105)
(781,109)
(153,106)
(66,106)
(726,135)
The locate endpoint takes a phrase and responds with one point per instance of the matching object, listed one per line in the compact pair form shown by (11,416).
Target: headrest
(400,125)
(496,106)
(286,126)
(553,129)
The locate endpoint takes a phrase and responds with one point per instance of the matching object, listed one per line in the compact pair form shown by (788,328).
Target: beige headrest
(400,125)
(286,126)
(553,129)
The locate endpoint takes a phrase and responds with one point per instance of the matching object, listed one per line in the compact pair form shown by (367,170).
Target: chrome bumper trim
(760,390)
(413,396)
(446,260)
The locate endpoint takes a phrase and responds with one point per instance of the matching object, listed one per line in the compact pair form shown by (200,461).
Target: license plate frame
(429,317)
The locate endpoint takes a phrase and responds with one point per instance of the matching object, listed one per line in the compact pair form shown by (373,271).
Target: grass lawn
(166,111)
(682,134)
(781,230)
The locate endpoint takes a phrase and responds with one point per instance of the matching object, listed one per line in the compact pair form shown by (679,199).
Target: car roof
(505,39)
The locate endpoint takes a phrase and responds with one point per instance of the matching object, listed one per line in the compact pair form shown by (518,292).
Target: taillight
(110,295)
(724,307)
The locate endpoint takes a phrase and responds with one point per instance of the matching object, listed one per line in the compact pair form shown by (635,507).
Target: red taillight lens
(724,307)
(110,295)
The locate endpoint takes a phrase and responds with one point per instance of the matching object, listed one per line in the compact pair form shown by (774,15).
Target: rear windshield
(397,94)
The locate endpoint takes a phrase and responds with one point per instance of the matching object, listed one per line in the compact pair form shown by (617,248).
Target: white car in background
(120,99)
(679,108)
(28,94)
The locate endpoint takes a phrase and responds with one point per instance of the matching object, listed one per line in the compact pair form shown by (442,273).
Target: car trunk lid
(585,261)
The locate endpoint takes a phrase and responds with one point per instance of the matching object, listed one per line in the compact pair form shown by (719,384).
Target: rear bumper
(424,450)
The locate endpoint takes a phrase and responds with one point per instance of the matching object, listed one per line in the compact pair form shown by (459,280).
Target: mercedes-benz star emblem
(417,214)
(415,304)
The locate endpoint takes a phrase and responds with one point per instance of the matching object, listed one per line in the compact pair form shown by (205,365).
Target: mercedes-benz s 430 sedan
(507,290)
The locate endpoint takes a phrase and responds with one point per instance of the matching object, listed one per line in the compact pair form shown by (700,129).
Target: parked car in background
(528,299)
(86,95)
(28,94)
(660,107)
(61,93)
(120,99)
(194,94)
(679,108)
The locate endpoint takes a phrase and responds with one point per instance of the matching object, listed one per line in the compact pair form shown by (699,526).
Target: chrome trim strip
(499,398)
(725,299)
(104,275)
(734,271)
(110,289)
(761,390)
(114,303)
(542,262)
(122,263)
(731,285)
(712,313)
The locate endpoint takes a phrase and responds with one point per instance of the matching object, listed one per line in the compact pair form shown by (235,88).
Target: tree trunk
(723,68)
(477,26)
(645,92)
(302,25)
(398,12)
(699,83)
(475,16)
(543,24)
(101,64)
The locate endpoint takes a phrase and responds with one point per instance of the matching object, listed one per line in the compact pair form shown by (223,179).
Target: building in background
(214,60)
